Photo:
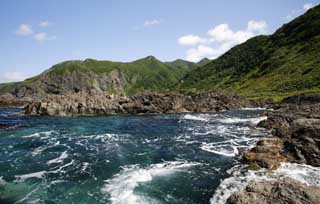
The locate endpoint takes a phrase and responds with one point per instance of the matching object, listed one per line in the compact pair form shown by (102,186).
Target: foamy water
(240,177)
(176,158)
(122,186)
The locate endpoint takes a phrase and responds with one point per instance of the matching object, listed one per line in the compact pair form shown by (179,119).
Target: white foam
(225,150)
(21,178)
(195,117)
(241,177)
(254,121)
(60,159)
(45,134)
(121,187)
(257,108)
(2,181)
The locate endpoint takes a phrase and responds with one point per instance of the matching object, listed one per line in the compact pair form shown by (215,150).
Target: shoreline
(295,131)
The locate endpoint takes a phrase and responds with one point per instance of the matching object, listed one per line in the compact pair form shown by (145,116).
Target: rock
(267,154)
(98,103)
(281,192)
(296,121)
(9,100)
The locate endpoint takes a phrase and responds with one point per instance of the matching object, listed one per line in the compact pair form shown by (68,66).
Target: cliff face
(143,75)
(93,103)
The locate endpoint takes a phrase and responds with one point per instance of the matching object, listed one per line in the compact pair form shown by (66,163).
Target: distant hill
(203,62)
(183,65)
(276,66)
(147,74)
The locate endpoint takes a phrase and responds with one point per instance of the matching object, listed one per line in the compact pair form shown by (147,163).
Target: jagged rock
(296,121)
(88,103)
(267,154)
(281,192)
(9,100)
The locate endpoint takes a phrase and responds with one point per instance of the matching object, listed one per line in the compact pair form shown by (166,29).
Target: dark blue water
(179,158)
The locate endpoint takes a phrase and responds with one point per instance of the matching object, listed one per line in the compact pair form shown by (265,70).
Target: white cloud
(148,23)
(190,40)
(257,26)
(294,13)
(307,6)
(41,37)
(44,24)
(14,76)
(196,54)
(220,39)
(24,30)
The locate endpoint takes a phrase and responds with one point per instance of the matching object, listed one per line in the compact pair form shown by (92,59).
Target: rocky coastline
(93,103)
(295,125)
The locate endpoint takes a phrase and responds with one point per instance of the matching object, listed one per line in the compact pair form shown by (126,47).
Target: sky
(36,34)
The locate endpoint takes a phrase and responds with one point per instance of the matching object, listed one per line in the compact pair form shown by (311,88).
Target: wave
(241,177)
(253,121)
(44,134)
(258,108)
(121,187)
(195,117)
(60,159)
(22,178)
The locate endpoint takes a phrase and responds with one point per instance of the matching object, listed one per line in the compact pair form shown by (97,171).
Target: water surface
(178,158)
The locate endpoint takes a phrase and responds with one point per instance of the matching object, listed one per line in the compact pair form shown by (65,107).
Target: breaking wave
(121,187)
(241,177)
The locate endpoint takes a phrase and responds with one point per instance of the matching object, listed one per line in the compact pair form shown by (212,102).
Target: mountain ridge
(282,64)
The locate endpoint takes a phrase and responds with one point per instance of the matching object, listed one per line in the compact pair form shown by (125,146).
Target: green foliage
(276,66)
(147,74)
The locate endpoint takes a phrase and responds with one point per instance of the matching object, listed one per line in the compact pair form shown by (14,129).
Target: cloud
(149,23)
(14,76)
(24,30)
(220,39)
(44,24)
(294,13)
(41,37)
(307,6)
(190,40)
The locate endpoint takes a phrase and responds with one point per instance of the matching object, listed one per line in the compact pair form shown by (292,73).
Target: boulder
(280,192)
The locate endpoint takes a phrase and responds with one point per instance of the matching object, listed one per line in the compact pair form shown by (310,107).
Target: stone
(280,192)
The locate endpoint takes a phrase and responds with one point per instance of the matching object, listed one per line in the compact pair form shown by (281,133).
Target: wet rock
(266,154)
(281,192)
(89,103)
(296,121)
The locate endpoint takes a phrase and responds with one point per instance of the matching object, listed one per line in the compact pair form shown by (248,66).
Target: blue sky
(35,34)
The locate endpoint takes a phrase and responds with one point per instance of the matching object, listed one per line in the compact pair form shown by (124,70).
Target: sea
(189,158)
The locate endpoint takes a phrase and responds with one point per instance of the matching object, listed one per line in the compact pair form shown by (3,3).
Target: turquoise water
(178,158)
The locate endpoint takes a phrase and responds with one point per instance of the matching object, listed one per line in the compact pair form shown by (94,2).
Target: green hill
(182,65)
(147,74)
(284,63)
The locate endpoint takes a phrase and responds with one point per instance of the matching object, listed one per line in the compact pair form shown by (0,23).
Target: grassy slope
(275,66)
(147,74)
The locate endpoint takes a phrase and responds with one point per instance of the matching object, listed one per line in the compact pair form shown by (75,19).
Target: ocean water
(150,159)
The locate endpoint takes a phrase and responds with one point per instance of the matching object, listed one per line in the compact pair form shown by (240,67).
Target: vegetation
(147,74)
(282,64)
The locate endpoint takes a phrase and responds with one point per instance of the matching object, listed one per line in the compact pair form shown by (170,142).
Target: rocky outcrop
(97,103)
(267,154)
(281,192)
(296,121)
(9,100)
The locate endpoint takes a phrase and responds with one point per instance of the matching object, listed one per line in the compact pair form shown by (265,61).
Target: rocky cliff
(97,103)
(295,124)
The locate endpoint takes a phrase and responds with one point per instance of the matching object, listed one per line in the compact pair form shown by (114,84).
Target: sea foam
(121,187)
(241,177)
